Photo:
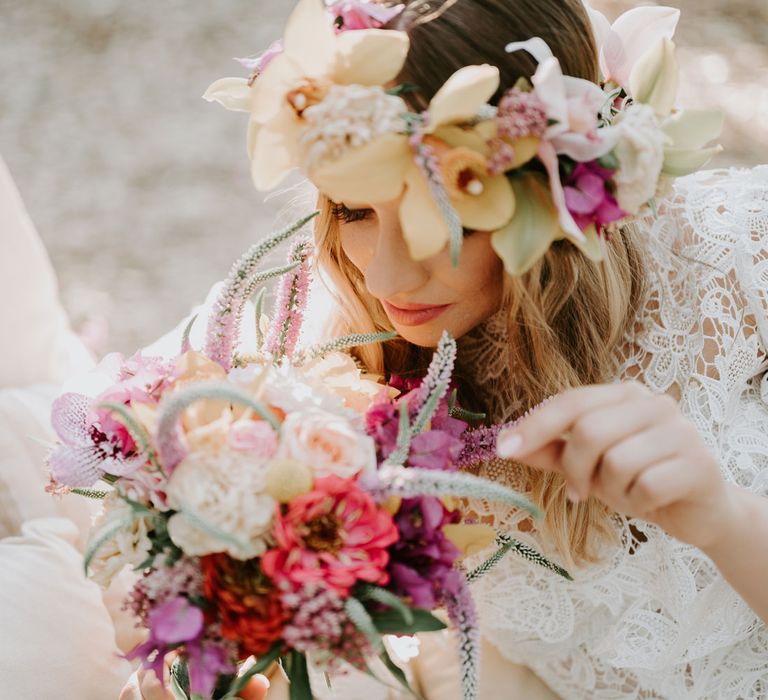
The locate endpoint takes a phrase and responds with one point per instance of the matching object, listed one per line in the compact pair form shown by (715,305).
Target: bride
(650,457)
(651,460)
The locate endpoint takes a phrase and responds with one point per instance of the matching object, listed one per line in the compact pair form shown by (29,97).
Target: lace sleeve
(655,619)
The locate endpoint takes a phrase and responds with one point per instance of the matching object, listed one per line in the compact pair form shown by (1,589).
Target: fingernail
(509,445)
(572,494)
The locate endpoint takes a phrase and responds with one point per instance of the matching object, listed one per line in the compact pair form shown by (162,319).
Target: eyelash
(346,215)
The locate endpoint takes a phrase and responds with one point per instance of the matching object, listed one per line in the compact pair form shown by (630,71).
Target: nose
(391,273)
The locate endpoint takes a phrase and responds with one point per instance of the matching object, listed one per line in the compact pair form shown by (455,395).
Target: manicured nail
(572,494)
(509,444)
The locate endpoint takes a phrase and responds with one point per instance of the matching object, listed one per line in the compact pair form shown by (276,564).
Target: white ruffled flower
(348,117)
(640,151)
(129,547)
(327,443)
(223,492)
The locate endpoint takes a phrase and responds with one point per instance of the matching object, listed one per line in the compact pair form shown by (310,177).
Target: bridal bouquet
(279,505)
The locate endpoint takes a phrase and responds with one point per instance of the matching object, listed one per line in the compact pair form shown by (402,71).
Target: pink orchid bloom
(351,15)
(622,44)
(572,106)
(257,64)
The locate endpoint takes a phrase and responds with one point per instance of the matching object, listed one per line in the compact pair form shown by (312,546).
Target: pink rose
(327,443)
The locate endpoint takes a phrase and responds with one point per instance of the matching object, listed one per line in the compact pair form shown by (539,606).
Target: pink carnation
(336,535)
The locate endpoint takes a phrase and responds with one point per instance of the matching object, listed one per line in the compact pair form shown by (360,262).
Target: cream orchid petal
(231,93)
(374,172)
(525,149)
(274,151)
(682,161)
(369,56)
(251,137)
(269,90)
(548,157)
(462,95)
(470,538)
(491,209)
(309,38)
(693,128)
(653,80)
(424,228)
(532,229)
(457,137)
(631,35)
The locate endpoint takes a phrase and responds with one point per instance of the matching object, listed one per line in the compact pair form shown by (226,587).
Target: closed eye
(345,215)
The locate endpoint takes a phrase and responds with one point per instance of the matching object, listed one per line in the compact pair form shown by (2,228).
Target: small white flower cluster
(350,116)
(128,547)
(220,491)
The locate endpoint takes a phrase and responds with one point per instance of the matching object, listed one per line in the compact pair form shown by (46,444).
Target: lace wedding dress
(654,619)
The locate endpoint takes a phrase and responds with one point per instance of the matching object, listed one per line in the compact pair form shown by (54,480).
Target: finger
(597,438)
(131,691)
(659,486)
(256,689)
(551,420)
(151,687)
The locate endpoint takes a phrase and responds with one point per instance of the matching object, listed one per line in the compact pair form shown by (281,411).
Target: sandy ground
(140,189)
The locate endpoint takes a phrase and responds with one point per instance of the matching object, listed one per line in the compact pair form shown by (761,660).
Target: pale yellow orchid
(386,167)
(313,59)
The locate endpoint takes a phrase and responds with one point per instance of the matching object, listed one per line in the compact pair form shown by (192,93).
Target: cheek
(357,242)
(480,274)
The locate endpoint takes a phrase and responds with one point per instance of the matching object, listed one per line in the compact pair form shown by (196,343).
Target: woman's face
(421,298)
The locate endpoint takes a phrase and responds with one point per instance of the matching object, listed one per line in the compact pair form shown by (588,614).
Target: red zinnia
(335,535)
(247,603)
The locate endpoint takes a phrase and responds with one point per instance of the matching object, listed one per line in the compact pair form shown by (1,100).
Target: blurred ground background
(141,190)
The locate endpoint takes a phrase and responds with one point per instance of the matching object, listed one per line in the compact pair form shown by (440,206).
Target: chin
(427,335)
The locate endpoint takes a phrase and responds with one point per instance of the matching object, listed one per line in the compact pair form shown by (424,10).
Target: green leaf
(398,673)
(90,493)
(260,666)
(362,619)
(368,591)
(391,622)
(180,679)
(593,246)
(298,675)
(532,229)
(258,311)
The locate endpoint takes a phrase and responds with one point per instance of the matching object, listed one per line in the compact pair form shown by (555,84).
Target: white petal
(231,93)
(369,56)
(275,150)
(632,34)
(462,95)
(548,157)
(537,47)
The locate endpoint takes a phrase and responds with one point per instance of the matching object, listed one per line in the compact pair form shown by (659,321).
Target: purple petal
(76,465)
(69,418)
(578,202)
(206,662)
(176,620)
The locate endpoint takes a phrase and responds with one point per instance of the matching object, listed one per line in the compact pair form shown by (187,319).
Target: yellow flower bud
(287,478)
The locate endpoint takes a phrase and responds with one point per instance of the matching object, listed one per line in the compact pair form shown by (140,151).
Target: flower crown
(558,157)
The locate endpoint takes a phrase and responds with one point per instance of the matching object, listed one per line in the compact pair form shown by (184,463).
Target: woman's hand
(144,685)
(634,451)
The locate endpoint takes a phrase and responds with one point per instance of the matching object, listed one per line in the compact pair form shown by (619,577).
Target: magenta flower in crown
(589,198)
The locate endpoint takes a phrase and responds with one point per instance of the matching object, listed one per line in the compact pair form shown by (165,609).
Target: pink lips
(413,314)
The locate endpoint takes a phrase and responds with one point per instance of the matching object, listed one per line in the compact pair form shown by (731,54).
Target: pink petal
(69,417)
(176,620)
(76,465)
(548,157)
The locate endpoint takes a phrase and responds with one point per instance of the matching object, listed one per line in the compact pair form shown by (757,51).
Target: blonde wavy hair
(567,315)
